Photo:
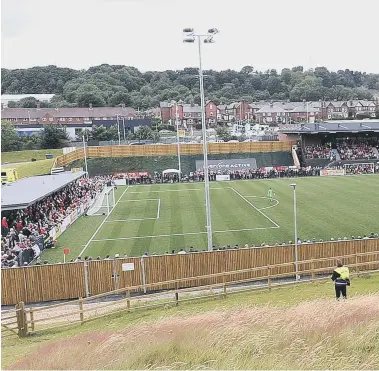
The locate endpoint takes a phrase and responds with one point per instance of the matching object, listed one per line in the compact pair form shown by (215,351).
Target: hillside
(115,84)
(300,327)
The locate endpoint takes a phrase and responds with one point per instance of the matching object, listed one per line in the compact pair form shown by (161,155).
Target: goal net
(362,168)
(104,203)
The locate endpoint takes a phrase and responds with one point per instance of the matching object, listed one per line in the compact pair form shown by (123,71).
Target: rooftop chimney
(2,106)
(90,106)
(123,106)
(38,105)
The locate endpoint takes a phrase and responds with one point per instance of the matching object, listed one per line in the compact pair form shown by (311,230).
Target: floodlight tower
(190,37)
(293,185)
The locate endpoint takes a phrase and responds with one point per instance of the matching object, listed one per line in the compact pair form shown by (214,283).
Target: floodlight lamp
(189,40)
(293,185)
(188,30)
(213,31)
(209,40)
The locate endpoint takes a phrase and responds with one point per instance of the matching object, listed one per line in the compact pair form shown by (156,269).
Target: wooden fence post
(128,300)
(31,319)
(176,294)
(21,320)
(269,278)
(313,269)
(81,312)
(224,284)
(356,264)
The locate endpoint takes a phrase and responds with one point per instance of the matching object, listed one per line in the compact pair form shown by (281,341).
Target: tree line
(112,85)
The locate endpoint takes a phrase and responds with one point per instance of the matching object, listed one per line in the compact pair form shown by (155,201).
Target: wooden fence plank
(66,281)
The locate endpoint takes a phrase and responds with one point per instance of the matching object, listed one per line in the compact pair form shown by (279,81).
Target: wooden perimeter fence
(172,149)
(89,278)
(32,320)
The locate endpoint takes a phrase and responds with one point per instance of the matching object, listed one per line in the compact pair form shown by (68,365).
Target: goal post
(109,198)
(359,168)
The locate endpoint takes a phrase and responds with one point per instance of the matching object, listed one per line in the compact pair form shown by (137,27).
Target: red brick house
(211,113)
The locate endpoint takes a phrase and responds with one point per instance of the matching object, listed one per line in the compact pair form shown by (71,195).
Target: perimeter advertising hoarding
(222,177)
(232,164)
(330,172)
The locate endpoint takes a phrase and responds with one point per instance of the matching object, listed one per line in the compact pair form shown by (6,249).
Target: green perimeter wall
(110,165)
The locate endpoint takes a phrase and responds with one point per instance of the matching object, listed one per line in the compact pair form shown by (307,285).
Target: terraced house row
(267,112)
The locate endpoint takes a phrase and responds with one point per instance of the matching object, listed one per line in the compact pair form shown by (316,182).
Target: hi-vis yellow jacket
(341,276)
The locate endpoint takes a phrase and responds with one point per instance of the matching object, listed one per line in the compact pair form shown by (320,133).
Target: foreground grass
(324,208)
(26,156)
(299,327)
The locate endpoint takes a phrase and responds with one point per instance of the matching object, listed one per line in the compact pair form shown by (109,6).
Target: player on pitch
(270,194)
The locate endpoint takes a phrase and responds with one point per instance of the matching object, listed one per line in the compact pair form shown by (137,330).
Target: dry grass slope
(315,334)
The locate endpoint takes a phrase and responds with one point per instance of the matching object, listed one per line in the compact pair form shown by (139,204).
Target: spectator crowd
(358,149)
(246,174)
(319,152)
(25,233)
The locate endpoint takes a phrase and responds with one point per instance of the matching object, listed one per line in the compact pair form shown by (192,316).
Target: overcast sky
(147,34)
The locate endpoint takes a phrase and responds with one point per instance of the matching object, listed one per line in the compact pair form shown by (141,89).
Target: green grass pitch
(161,218)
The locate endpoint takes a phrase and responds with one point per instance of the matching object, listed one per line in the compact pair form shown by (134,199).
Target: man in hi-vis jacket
(341,280)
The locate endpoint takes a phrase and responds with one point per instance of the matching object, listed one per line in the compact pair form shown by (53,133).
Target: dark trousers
(340,289)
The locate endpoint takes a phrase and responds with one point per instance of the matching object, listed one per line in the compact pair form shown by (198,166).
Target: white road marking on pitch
(244,198)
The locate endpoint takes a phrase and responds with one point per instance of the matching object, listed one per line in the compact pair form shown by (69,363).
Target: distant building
(30,120)
(5,98)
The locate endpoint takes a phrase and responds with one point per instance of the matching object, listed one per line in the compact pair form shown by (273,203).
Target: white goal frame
(109,194)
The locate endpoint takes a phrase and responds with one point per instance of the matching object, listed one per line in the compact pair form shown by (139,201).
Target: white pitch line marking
(244,198)
(245,229)
(140,219)
(183,234)
(102,223)
(141,237)
(129,220)
(267,207)
(159,208)
(178,190)
(141,199)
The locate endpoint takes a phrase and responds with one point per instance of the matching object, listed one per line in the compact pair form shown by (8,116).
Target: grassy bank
(28,169)
(26,156)
(300,327)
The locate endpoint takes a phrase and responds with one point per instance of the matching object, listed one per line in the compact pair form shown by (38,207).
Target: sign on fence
(235,164)
(330,172)
(222,177)
(126,267)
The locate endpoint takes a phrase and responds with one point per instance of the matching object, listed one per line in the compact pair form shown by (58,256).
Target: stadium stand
(25,232)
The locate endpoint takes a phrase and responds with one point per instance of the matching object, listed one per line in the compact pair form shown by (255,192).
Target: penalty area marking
(140,219)
(102,223)
(252,205)
(267,207)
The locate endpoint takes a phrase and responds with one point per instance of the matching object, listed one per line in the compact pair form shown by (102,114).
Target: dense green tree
(223,133)
(116,84)
(146,133)
(54,136)
(28,102)
(31,142)
(10,141)
(120,98)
